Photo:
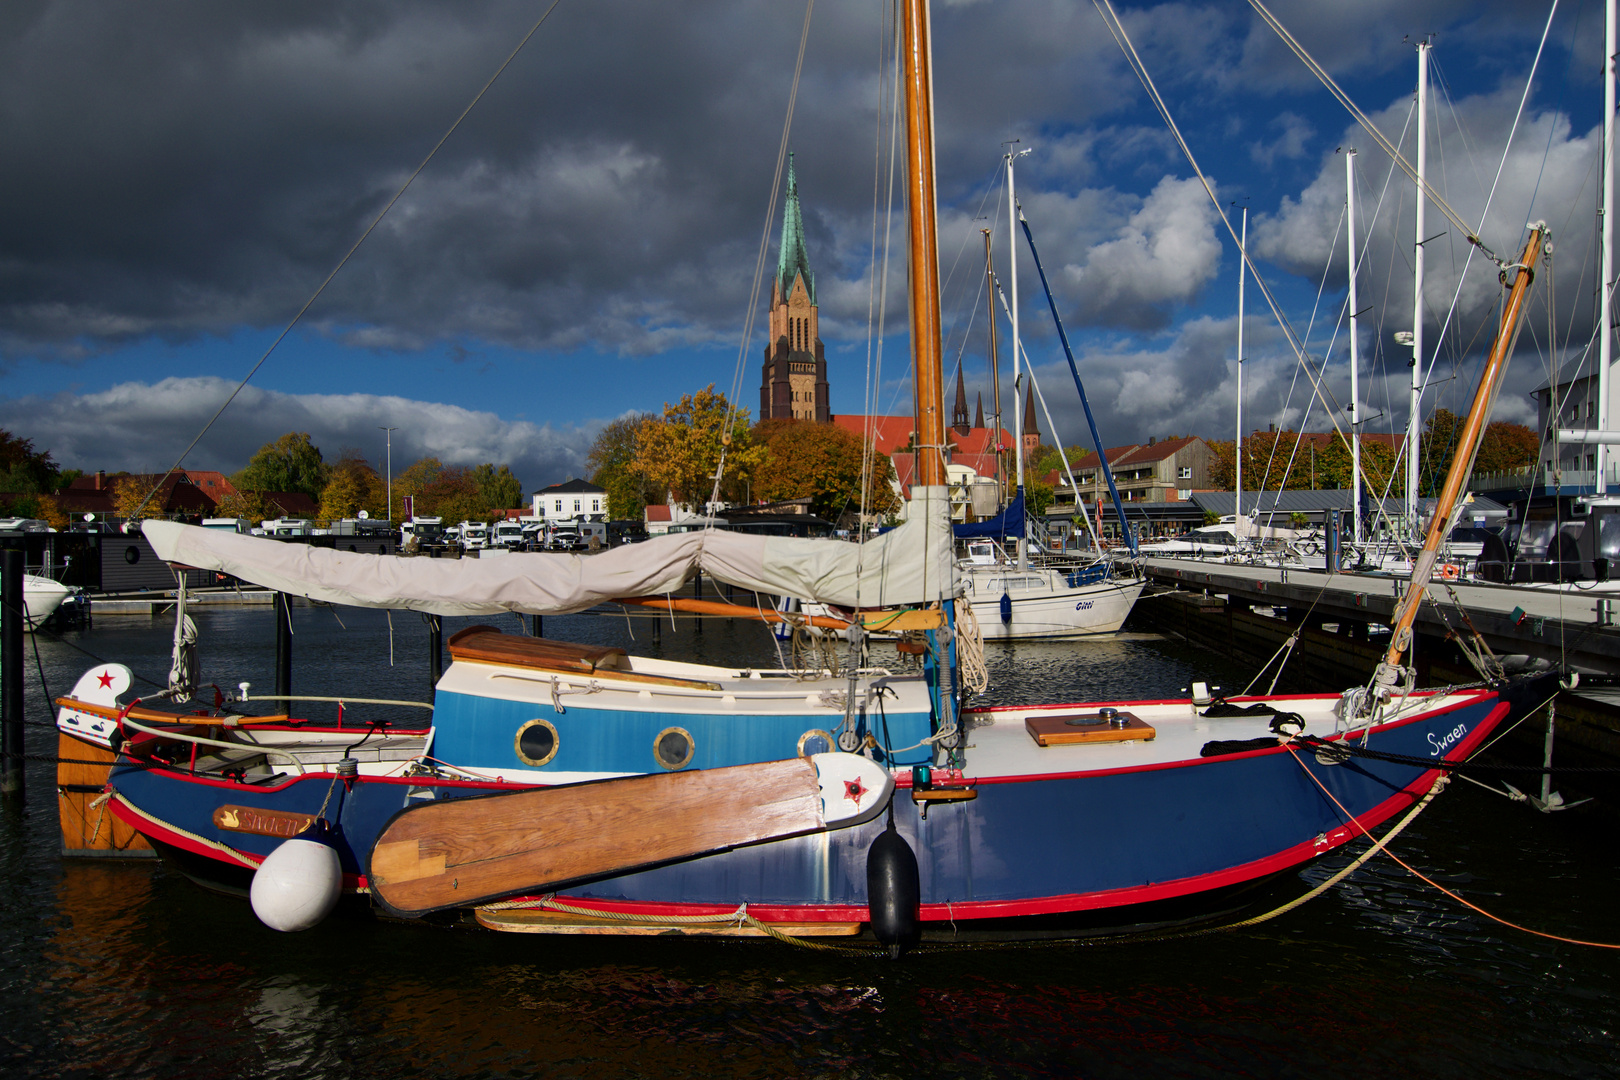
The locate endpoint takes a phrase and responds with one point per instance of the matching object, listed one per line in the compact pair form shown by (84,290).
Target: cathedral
(794,380)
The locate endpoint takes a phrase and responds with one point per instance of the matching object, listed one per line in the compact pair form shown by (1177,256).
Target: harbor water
(126,969)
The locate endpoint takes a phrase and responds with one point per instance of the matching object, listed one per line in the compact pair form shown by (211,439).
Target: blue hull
(1025,846)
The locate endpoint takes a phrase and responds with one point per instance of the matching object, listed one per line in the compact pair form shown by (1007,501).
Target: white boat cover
(912,564)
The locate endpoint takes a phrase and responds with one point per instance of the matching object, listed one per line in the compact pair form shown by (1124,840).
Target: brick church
(794,380)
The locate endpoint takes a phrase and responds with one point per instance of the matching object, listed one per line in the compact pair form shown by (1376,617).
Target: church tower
(794,380)
(1032,429)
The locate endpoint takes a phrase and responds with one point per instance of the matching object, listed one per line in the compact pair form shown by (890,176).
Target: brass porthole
(536,742)
(673,748)
(815,741)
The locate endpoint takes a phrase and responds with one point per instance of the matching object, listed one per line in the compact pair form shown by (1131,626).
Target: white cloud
(1163,255)
(144,428)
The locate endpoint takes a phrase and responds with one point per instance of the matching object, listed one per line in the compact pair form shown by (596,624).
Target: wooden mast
(1467,444)
(926,380)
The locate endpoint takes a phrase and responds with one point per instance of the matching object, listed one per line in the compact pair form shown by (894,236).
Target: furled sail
(912,564)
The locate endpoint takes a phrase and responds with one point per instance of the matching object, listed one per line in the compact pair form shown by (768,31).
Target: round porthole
(132,554)
(536,742)
(815,741)
(673,748)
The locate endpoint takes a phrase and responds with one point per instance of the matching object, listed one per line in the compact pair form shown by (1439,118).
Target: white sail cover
(913,564)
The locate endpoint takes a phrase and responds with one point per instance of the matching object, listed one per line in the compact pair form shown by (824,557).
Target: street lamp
(388,482)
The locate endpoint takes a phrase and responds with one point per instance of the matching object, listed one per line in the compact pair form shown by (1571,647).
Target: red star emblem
(854,790)
(105,679)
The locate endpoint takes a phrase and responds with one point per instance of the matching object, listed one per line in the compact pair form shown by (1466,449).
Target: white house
(571,501)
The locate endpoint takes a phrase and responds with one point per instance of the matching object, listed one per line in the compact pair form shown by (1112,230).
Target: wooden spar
(886,621)
(158,716)
(1467,445)
(462,852)
(926,378)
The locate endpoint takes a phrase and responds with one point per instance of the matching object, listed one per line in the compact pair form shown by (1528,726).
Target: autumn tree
(130,500)
(352,486)
(613,467)
(822,462)
(291,463)
(248,505)
(681,452)
(414,482)
(1505,447)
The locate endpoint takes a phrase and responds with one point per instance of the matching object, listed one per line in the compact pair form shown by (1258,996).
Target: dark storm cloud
(184,168)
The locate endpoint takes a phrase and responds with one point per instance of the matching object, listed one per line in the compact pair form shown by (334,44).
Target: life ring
(1450,571)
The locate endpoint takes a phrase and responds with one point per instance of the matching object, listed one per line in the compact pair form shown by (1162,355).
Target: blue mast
(1096,439)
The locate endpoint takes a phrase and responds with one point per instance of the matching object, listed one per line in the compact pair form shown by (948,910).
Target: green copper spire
(793,261)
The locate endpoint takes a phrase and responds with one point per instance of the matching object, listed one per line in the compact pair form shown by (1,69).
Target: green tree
(822,462)
(1038,497)
(25,470)
(613,467)
(497,488)
(681,453)
(291,463)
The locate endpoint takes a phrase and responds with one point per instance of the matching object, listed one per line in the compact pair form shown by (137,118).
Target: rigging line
(1490,197)
(1367,124)
(750,314)
(344,261)
(1139,68)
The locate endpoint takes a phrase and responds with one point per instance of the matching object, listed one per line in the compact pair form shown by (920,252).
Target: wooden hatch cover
(1100,725)
(487,645)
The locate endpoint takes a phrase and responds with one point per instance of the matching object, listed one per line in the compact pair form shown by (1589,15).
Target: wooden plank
(1067,728)
(537,921)
(485,644)
(462,852)
(489,646)
(87,830)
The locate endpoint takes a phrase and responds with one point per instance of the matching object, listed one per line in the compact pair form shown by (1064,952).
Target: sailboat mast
(1355,365)
(1415,419)
(1237,447)
(1462,461)
(1018,405)
(926,378)
(1606,305)
(995,362)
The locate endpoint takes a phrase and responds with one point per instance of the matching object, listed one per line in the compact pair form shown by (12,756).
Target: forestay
(912,564)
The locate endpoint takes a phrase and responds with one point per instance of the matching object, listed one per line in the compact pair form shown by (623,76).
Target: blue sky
(181,177)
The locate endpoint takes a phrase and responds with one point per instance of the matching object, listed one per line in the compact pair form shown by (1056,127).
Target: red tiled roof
(1155,452)
(890,433)
(658,512)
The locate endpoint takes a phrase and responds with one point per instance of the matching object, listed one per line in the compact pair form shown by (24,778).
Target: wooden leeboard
(87,830)
(462,852)
(1057,731)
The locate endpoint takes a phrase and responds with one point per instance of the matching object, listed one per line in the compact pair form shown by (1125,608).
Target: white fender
(854,788)
(297,885)
(101,685)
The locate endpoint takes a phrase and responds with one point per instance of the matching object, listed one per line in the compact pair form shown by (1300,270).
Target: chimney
(101,479)
(1151,438)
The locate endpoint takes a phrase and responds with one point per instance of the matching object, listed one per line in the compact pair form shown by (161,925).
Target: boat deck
(1000,744)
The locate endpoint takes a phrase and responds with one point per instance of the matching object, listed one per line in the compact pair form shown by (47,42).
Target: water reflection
(126,970)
